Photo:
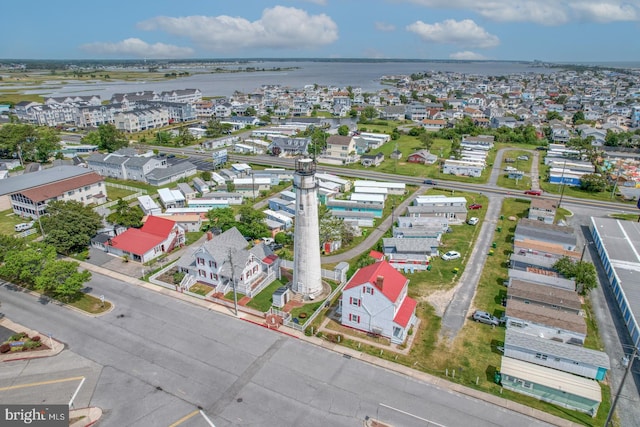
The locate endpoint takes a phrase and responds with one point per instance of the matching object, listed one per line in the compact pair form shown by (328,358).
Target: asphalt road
(155,361)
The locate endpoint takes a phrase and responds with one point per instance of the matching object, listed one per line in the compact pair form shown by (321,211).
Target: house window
(354,318)
(255,269)
(367,290)
(541,356)
(200,261)
(202,273)
(355,301)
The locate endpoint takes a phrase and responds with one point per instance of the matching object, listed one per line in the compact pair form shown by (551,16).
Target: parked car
(475,206)
(523,157)
(473,220)
(534,192)
(448,256)
(430,182)
(24,226)
(484,317)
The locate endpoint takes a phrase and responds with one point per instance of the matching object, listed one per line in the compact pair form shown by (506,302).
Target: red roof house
(375,300)
(157,236)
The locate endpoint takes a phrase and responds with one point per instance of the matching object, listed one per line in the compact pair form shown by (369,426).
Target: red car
(534,192)
(475,206)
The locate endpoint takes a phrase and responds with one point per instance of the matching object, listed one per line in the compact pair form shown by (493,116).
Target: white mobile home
(148,205)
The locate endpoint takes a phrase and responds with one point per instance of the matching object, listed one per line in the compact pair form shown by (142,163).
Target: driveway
(457,310)
(375,235)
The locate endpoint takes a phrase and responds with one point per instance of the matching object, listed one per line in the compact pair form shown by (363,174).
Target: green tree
(9,243)
(126,215)
(426,140)
(583,272)
(593,183)
(578,116)
(46,144)
(252,223)
(69,226)
(205,175)
(163,137)
(369,112)
(330,227)
(456,148)
(62,279)
(24,266)
(222,218)
(553,115)
(343,130)
(18,140)
(110,138)
(184,137)
(282,238)
(250,111)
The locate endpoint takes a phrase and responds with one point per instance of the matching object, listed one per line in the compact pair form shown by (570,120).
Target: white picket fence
(334,275)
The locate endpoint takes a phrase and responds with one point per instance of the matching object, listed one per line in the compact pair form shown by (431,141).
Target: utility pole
(562,182)
(624,377)
(615,185)
(233,283)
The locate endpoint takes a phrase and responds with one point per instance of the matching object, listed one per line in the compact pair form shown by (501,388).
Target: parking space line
(185,418)
(62,380)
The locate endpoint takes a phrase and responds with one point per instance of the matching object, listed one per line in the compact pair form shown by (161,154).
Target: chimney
(379,282)
(209,235)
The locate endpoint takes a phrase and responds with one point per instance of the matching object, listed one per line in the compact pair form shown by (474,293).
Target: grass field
(473,358)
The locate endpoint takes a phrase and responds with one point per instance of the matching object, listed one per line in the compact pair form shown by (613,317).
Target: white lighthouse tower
(307,278)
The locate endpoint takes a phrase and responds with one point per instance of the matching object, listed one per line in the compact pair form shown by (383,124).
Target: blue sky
(548,30)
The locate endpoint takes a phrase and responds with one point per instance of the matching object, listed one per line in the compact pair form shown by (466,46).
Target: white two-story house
(375,300)
(227,259)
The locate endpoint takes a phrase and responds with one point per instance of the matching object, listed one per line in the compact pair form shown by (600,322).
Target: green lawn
(8,221)
(473,358)
(91,304)
(262,301)
(114,193)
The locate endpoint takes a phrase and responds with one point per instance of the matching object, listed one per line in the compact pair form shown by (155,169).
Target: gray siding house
(564,357)
(549,233)
(544,296)
(546,322)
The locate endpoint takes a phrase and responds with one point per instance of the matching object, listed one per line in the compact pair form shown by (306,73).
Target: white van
(24,226)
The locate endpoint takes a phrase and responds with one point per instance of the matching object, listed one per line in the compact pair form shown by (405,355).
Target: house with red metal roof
(157,236)
(375,300)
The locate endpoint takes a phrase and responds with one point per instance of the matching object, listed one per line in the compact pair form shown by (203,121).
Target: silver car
(484,317)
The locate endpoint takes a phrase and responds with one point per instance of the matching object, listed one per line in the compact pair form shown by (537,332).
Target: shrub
(36,338)
(4,348)
(31,344)
(19,336)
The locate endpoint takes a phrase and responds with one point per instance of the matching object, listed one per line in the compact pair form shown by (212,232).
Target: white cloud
(278,28)
(605,12)
(544,12)
(463,33)
(467,55)
(134,47)
(381,26)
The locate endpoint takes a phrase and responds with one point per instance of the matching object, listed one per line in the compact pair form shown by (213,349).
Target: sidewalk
(92,414)
(88,416)
(421,376)
(55,346)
